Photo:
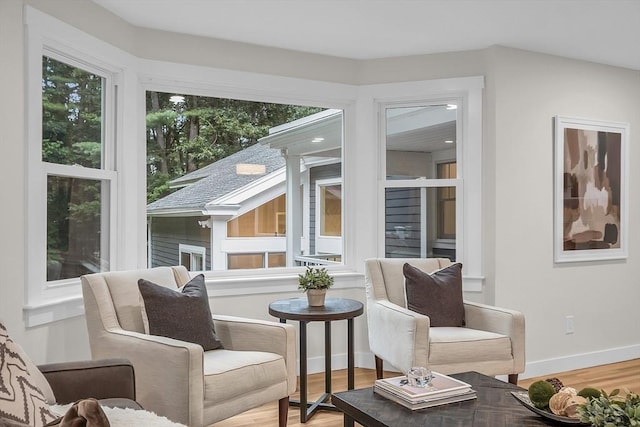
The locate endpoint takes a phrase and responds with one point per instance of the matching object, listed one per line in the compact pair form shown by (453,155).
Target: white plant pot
(315,297)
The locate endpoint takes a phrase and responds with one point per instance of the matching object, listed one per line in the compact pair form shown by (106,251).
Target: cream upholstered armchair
(178,379)
(491,342)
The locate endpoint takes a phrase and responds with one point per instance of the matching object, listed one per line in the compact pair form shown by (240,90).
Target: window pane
(402,223)
(185,259)
(331,210)
(76,227)
(418,224)
(227,159)
(238,261)
(277,260)
(72,103)
(267,219)
(417,138)
(447,203)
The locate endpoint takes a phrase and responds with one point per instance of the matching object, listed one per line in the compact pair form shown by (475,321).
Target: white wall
(528,90)
(523,92)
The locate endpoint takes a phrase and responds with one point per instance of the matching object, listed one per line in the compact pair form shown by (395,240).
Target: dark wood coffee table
(494,407)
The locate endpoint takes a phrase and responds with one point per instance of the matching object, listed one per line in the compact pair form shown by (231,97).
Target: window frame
(192,250)
(41,170)
(466,92)
(358,101)
(179,78)
(47,301)
(320,238)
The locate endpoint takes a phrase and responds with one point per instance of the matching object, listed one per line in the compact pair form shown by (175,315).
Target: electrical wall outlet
(569,326)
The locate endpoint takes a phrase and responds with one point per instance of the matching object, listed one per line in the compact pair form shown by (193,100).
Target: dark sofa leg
(283,411)
(513,379)
(378,367)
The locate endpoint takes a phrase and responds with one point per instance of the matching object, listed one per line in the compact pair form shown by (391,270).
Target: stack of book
(443,390)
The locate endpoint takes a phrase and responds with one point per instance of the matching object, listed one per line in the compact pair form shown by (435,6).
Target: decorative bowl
(523,398)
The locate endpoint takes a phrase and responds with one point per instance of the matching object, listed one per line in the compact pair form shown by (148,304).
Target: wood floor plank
(607,377)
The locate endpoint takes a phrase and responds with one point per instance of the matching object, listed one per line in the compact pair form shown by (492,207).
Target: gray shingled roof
(217,179)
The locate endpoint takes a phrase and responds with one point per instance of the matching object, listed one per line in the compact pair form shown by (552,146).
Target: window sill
(73,306)
(52,311)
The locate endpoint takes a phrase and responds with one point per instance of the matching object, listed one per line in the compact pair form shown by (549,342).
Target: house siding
(402,225)
(168,233)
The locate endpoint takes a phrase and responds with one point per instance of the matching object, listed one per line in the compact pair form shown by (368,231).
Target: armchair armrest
(100,379)
(398,335)
(502,321)
(170,372)
(238,333)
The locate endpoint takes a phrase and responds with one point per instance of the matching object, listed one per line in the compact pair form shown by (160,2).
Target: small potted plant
(315,282)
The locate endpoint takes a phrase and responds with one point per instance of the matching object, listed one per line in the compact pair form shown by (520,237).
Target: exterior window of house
(331,210)
(421,180)
(253,261)
(242,261)
(267,219)
(76,165)
(447,202)
(220,172)
(276,259)
(192,257)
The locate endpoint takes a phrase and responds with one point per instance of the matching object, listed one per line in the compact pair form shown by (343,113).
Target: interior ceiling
(605,31)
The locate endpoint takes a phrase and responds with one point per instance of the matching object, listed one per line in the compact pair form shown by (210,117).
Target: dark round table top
(299,309)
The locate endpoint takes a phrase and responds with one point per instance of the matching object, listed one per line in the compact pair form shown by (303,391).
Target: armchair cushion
(226,373)
(183,315)
(21,400)
(459,345)
(437,295)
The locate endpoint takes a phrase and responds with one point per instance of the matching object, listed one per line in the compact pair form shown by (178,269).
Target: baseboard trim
(580,361)
(532,369)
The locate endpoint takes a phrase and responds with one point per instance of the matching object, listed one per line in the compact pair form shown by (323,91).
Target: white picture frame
(590,190)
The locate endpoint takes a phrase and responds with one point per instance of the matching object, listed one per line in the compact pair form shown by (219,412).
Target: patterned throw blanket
(124,417)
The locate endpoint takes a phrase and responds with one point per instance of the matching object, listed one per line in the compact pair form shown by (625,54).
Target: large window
(75,160)
(85,209)
(421,180)
(220,172)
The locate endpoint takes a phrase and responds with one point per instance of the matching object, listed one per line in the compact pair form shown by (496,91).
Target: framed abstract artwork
(590,194)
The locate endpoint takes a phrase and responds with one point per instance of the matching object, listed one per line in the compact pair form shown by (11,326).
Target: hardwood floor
(607,377)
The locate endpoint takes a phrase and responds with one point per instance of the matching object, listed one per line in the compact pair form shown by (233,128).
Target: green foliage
(72,133)
(314,278)
(540,392)
(187,136)
(611,410)
(588,392)
(158,187)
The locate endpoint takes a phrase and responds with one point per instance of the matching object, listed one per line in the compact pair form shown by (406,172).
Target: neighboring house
(232,213)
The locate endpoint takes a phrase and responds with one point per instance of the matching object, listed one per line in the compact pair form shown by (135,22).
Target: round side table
(333,309)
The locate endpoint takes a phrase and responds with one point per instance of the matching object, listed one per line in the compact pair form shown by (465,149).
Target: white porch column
(294,207)
(218,235)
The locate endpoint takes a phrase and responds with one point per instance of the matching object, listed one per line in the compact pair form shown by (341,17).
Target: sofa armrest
(398,335)
(238,333)
(501,321)
(100,379)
